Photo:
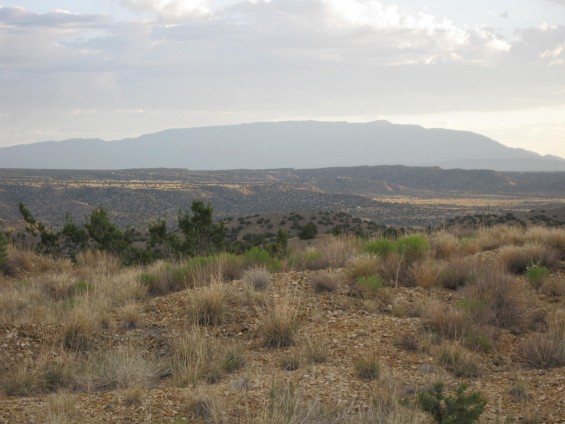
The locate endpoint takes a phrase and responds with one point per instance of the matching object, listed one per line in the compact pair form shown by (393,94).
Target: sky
(115,69)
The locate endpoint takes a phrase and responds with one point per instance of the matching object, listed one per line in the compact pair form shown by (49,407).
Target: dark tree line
(197,234)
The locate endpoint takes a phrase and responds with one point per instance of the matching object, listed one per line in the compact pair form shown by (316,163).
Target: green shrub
(83,286)
(413,247)
(460,408)
(257,256)
(371,283)
(537,275)
(380,247)
(308,231)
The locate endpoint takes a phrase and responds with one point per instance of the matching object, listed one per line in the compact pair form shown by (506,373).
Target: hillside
(389,195)
(306,339)
(282,145)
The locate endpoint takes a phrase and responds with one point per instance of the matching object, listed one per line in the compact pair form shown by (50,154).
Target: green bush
(379,247)
(537,275)
(308,231)
(413,247)
(257,256)
(460,408)
(371,283)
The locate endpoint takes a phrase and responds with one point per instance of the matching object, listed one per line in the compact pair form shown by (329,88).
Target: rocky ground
(346,326)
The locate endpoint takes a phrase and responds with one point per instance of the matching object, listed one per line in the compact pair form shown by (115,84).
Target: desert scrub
(367,367)
(379,247)
(362,266)
(279,323)
(311,258)
(123,368)
(369,286)
(451,324)
(258,277)
(546,350)
(50,372)
(517,259)
(444,245)
(425,274)
(412,248)
(458,361)
(337,251)
(261,257)
(494,300)
(457,274)
(197,356)
(78,332)
(208,304)
(460,408)
(537,275)
(326,282)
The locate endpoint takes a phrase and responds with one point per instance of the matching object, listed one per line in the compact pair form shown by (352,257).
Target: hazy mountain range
(273,145)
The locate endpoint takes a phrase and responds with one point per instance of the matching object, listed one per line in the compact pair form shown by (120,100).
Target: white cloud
(169,9)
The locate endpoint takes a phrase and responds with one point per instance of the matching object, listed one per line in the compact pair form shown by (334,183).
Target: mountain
(272,145)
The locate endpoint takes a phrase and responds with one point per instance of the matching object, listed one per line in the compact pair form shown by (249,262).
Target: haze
(115,69)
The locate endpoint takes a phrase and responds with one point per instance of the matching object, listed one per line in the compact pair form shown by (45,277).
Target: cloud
(258,60)
(559,2)
(19,17)
(169,9)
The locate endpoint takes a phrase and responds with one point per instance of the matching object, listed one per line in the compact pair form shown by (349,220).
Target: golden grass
(517,259)
(444,245)
(279,322)
(364,265)
(338,251)
(208,305)
(62,408)
(197,356)
(425,274)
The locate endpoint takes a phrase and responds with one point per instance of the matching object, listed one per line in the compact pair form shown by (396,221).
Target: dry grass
(204,405)
(129,315)
(258,277)
(444,245)
(546,350)
(287,406)
(451,324)
(458,361)
(517,259)
(123,368)
(316,353)
(457,274)
(367,367)
(62,408)
(78,332)
(551,237)
(364,265)
(208,305)
(425,274)
(279,322)
(338,251)
(196,356)
(387,403)
(500,235)
(27,263)
(327,282)
(49,372)
(98,262)
(494,299)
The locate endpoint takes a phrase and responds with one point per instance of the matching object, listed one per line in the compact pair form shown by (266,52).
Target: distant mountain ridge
(271,145)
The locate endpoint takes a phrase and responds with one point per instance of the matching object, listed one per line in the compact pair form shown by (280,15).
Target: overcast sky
(115,69)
